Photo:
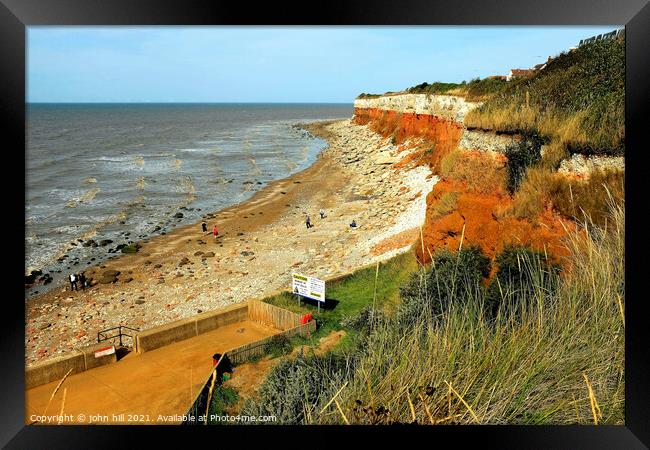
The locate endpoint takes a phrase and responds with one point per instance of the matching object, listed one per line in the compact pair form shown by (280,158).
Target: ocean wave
(187,184)
(253,162)
(112,159)
(86,197)
(194,150)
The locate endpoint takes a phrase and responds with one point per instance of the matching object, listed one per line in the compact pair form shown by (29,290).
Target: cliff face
(470,202)
(442,106)
(441,133)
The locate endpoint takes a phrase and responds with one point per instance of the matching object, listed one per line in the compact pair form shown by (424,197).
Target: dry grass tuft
(572,197)
(464,165)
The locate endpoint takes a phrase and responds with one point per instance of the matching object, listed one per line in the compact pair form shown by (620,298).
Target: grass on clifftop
(348,297)
(473,91)
(578,100)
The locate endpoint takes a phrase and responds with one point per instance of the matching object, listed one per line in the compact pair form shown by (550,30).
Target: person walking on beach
(353,224)
(308,222)
(82,280)
(322,213)
(73,282)
(204,227)
(215,232)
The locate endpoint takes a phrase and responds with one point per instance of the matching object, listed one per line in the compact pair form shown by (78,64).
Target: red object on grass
(306,318)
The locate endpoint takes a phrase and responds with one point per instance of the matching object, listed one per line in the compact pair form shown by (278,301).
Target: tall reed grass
(528,366)
(553,353)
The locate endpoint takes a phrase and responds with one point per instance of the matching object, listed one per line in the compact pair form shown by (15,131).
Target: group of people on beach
(215,231)
(76,280)
(322,216)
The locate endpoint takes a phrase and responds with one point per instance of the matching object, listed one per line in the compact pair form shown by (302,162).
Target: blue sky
(273,64)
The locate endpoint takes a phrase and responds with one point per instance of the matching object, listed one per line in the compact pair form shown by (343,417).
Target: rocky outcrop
(582,166)
(485,141)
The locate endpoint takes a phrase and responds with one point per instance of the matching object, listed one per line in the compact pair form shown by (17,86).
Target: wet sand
(261,242)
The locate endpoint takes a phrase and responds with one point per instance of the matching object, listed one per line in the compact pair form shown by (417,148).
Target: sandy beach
(261,242)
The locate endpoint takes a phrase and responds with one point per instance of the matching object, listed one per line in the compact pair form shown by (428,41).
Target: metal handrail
(101,338)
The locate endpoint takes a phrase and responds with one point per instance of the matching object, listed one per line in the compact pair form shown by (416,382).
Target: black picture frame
(16,15)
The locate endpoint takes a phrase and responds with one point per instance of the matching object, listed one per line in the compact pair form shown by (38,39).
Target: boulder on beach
(108,276)
(386,159)
(178,215)
(208,255)
(31,278)
(131,248)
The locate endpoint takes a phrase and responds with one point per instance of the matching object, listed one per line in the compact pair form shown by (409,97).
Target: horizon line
(184,102)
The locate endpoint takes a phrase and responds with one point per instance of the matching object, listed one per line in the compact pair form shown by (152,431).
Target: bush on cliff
(451,278)
(482,89)
(522,155)
(476,90)
(296,389)
(433,88)
(523,276)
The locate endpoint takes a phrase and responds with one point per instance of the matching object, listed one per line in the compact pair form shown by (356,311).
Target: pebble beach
(261,242)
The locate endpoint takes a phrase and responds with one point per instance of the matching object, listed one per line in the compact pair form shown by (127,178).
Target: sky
(274,64)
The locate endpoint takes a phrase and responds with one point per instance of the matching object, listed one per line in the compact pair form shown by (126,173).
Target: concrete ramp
(153,387)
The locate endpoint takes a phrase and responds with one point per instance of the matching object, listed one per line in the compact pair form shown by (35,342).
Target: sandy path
(262,241)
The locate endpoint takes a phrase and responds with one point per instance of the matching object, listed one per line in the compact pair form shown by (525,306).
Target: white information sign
(309,287)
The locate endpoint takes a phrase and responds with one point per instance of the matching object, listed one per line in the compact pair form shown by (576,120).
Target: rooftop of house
(521,71)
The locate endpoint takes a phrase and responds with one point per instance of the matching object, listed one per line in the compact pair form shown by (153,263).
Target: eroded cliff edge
(471,204)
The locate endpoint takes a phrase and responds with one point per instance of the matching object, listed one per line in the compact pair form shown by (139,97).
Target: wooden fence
(274,316)
(245,352)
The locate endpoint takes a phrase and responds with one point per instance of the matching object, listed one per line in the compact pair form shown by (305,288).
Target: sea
(123,172)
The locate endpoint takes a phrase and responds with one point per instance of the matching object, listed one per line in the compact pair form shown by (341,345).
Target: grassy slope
(475,90)
(355,292)
(532,368)
(577,100)
(557,359)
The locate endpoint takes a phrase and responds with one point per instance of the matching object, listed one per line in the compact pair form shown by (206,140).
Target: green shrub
(296,388)
(222,398)
(522,155)
(364,320)
(364,95)
(132,248)
(522,276)
(433,88)
(278,345)
(478,89)
(451,278)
